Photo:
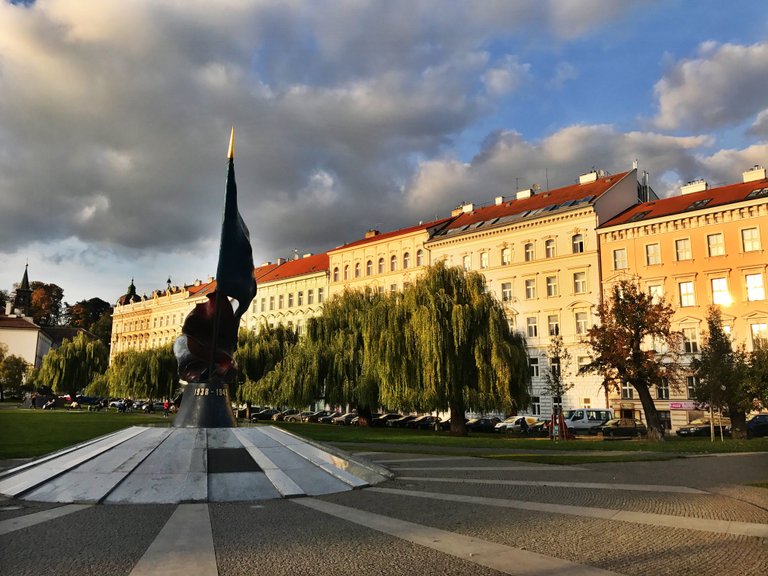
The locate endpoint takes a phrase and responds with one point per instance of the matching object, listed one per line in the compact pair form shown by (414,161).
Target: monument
(208,342)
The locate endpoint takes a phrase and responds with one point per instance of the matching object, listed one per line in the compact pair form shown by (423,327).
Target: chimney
(371,233)
(590,176)
(307,255)
(8,308)
(694,186)
(524,193)
(499,200)
(463,208)
(280,261)
(755,173)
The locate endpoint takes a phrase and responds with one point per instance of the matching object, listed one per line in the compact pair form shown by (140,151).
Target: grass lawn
(25,433)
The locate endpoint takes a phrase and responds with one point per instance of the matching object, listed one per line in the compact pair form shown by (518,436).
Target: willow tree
(149,373)
(457,347)
(634,340)
(73,365)
(258,353)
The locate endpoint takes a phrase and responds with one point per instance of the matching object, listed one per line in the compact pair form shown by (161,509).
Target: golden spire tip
(231,153)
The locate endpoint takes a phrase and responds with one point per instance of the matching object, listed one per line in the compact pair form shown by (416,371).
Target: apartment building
(540,256)
(705,246)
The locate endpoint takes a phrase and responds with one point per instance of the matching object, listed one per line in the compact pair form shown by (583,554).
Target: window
(406,260)
(299,327)
(620,259)
(290,300)
(581,362)
(549,248)
(346,272)
(271,303)
(300,298)
(336,274)
(750,239)
(532,328)
(393,263)
(393,287)
(581,323)
(686,294)
(320,295)
(369,268)
(755,289)
(657,292)
(530,289)
(263,304)
(759,333)
(690,341)
(357,270)
(506,291)
(579,282)
(419,257)
(535,401)
(627,392)
(467,262)
(715,244)
(553,325)
(506,256)
(551,286)
(720,293)
(528,252)
(692,382)
(381,266)
(577,243)
(683,249)
(310,296)
(484,260)
(533,363)
(280,302)
(652,254)
(665,419)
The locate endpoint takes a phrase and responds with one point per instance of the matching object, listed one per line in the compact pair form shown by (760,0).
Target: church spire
(23,300)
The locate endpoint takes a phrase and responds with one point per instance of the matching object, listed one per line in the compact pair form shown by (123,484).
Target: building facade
(703,247)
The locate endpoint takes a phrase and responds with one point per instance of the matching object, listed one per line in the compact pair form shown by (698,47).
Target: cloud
(760,125)
(724,85)
(507,76)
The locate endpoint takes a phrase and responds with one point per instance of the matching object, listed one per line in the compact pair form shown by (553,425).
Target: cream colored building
(540,256)
(705,246)
(382,262)
(290,293)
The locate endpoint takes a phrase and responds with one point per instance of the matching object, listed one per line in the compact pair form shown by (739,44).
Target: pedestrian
(166,407)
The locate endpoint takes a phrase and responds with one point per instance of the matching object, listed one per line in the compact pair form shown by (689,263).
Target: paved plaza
(440,515)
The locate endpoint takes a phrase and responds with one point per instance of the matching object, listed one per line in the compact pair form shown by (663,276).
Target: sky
(349,115)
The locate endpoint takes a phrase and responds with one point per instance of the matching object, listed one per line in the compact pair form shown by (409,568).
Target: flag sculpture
(205,350)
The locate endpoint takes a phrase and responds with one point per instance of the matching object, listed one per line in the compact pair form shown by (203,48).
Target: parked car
(586,419)
(329,418)
(425,422)
(316,416)
(515,423)
(757,425)
(482,424)
(701,427)
(401,422)
(280,416)
(344,419)
(539,429)
(382,420)
(299,417)
(265,414)
(623,427)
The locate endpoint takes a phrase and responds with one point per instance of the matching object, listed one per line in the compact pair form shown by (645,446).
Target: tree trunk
(738,422)
(364,416)
(655,429)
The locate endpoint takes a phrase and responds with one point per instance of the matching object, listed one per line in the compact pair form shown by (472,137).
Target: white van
(582,419)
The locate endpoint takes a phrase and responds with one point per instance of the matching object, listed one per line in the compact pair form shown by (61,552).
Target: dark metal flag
(234,274)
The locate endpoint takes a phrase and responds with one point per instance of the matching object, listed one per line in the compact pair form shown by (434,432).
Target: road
(440,515)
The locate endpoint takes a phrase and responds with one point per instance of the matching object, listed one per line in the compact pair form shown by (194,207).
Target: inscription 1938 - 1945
(211,392)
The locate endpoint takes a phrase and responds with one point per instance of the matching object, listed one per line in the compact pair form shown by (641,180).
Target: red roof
(393,234)
(17,323)
(691,202)
(209,287)
(298,267)
(566,198)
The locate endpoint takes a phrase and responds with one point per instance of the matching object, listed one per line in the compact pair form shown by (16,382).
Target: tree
(4,297)
(722,374)
(634,343)
(12,371)
(556,376)
(94,315)
(73,365)
(46,307)
(457,347)
(758,374)
(149,373)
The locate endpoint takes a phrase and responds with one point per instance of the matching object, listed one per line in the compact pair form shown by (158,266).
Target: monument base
(205,405)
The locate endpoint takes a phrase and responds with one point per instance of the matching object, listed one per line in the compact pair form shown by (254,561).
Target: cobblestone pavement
(440,515)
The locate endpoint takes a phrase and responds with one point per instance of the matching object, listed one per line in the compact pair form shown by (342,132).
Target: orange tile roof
(209,287)
(560,199)
(690,202)
(298,267)
(393,234)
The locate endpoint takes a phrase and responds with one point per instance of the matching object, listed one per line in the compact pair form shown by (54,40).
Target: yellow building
(706,246)
(290,293)
(539,254)
(383,262)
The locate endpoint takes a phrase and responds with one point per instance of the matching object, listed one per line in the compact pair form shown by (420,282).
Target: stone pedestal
(205,406)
